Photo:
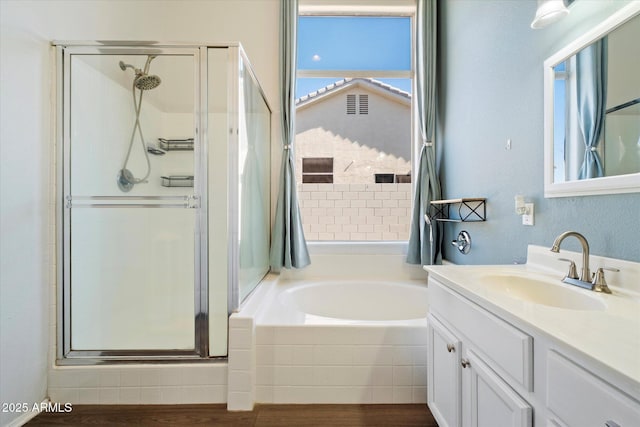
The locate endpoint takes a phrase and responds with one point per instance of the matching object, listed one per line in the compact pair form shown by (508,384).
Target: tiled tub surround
(294,357)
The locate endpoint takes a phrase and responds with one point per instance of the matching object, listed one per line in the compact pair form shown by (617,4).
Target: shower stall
(163,212)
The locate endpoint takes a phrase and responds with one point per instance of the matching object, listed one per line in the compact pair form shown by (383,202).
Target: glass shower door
(132,216)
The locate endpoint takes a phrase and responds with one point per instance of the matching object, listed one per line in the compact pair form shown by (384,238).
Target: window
(317,170)
(353,127)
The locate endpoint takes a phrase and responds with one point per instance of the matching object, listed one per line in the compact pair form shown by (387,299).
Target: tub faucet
(585,274)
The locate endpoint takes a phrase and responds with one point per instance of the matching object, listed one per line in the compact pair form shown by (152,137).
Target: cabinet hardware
(451,348)
(465,363)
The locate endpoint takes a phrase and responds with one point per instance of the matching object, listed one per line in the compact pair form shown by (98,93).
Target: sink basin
(541,290)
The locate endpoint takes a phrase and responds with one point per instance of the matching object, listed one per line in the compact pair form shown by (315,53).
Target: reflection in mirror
(596,104)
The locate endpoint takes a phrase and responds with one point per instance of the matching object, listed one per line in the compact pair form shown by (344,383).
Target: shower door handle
(190,201)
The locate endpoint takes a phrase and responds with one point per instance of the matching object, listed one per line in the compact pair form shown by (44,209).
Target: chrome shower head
(146,81)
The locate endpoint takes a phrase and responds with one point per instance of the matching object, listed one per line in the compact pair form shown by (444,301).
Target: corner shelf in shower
(176,144)
(468,210)
(177,181)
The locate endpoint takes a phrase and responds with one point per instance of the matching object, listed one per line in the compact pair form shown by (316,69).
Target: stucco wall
(361,144)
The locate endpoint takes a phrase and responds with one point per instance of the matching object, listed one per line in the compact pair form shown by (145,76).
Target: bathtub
(340,341)
(347,302)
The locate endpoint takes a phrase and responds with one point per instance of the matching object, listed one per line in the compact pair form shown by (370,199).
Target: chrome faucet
(585,274)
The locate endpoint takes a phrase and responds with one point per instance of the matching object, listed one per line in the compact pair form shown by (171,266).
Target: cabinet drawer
(579,398)
(510,349)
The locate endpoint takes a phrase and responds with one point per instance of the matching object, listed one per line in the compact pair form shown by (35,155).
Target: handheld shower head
(146,81)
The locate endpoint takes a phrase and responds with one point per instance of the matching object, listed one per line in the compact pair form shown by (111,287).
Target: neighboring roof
(343,84)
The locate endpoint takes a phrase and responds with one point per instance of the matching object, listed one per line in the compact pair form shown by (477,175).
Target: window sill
(357,248)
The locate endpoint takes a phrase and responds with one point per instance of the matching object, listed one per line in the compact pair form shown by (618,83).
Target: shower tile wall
(150,384)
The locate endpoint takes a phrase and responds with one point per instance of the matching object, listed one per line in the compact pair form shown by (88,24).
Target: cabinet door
(443,379)
(491,401)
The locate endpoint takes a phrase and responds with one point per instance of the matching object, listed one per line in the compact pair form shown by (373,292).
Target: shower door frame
(65,355)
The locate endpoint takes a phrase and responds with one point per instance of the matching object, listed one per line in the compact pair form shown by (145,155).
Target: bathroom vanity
(513,346)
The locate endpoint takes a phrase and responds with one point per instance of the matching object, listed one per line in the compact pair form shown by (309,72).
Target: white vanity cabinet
(576,397)
(472,357)
(481,370)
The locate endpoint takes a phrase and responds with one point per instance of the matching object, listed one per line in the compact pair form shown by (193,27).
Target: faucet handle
(599,284)
(573,272)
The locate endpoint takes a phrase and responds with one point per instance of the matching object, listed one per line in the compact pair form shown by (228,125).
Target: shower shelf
(177,181)
(468,209)
(176,144)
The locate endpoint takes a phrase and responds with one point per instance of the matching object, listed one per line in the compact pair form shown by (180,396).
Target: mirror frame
(629,183)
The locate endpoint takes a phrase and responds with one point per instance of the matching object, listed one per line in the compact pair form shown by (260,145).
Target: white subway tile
(240,359)
(374,236)
(333,335)
(334,228)
(342,203)
(406,203)
(402,375)
(357,187)
(302,355)
(419,376)
(358,220)
(239,401)
(240,338)
(365,212)
(374,187)
(342,236)
(108,396)
(382,394)
(309,187)
(334,195)
(365,195)
(359,203)
(90,396)
(325,187)
(419,394)
(390,204)
(265,334)
(332,375)
(382,195)
(334,212)
(390,236)
(326,236)
(240,381)
(309,203)
(131,396)
(402,394)
(358,236)
(332,355)
(374,204)
(236,321)
(402,355)
(343,219)
(264,394)
(293,375)
(293,335)
(341,187)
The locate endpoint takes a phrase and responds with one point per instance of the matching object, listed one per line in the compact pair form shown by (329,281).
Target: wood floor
(262,415)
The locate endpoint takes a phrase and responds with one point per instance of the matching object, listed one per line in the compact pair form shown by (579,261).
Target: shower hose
(137,105)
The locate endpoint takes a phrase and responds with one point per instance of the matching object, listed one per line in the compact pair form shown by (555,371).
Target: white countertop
(610,336)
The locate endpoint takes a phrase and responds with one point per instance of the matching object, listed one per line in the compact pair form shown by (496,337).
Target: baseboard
(25,417)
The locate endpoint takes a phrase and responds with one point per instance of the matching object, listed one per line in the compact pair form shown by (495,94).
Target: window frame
(403,8)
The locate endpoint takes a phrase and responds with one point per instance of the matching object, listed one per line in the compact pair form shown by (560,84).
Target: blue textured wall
(491,89)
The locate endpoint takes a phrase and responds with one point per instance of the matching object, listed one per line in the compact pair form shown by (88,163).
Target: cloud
(316,57)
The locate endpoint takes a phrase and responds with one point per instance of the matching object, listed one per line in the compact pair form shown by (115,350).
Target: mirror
(592,111)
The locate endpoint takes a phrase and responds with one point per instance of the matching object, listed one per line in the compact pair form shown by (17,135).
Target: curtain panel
(288,245)
(425,240)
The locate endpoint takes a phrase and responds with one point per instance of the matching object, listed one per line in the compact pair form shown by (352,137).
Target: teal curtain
(591,75)
(288,245)
(427,186)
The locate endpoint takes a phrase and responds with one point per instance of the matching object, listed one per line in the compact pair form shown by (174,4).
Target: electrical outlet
(527,218)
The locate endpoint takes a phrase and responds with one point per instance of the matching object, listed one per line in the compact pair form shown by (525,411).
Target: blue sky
(353,43)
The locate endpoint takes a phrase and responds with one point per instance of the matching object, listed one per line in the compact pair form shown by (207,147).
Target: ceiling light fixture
(548,12)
